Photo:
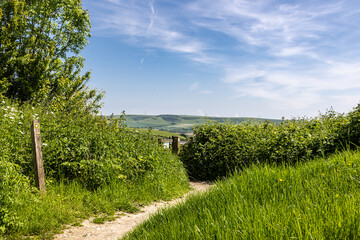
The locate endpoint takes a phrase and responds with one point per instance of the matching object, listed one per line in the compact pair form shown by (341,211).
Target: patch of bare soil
(124,222)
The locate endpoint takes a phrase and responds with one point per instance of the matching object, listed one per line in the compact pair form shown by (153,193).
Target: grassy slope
(158,133)
(317,200)
(177,123)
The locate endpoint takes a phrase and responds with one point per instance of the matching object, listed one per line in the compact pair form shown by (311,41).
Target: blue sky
(247,58)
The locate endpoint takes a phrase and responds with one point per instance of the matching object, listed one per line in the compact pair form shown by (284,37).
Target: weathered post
(176,145)
(160,141)
(37,156)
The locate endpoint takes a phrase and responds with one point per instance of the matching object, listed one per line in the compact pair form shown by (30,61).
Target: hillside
(179,123)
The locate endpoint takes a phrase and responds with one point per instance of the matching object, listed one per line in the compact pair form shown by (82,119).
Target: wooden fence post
(37,156)
(160,141)
(176,145)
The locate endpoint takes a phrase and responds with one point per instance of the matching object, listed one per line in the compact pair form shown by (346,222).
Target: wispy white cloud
(279,28)
(291,54)
(141,63)
(194,86)
(153,15)
(141,23)
(292,88)
(206,92)
(201,112)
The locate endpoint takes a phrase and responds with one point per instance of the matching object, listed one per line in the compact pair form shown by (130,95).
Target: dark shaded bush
(218,149)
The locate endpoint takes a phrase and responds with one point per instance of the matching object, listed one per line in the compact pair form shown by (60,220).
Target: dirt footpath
(124,223)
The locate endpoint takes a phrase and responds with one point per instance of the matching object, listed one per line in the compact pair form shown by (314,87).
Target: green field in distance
(180,123)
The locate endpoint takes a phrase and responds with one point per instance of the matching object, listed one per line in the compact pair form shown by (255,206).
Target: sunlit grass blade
(315,200)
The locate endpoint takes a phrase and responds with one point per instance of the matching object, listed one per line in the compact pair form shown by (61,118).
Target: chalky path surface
(124,223)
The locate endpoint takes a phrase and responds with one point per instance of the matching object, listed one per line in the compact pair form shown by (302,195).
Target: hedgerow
(218,149)
(78,147)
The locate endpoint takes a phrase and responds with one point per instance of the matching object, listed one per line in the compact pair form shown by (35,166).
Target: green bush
(79,146)
(218,149)
(95,155)
(352,130)
(13,186)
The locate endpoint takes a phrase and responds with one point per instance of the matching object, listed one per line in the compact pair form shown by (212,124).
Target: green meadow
(179,123)
(158,133)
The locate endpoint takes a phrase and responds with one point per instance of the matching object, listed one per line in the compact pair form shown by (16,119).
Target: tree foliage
(40,42)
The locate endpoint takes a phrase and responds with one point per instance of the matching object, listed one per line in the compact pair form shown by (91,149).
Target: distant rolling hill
(179,123)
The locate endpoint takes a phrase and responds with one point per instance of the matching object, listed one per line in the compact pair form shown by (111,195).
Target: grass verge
(315,200)
(40,216)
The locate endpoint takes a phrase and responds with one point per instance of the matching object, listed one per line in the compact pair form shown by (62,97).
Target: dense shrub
(99,155)
(13,186)
(79,146)
(352,131)
(218,149)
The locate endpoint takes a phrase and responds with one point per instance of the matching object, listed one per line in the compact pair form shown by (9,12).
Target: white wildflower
(21,132)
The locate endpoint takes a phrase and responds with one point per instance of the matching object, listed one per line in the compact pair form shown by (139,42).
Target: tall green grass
(315,200)
(40,216)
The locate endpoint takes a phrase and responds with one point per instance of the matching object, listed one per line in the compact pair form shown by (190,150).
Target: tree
(40,42)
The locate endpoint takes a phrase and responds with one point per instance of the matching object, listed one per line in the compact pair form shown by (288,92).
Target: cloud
(194,86)
(141,23)
(141,63)
(294,88)
(201,113)
(294,51)
(278,30)
(206,92)
(294,55)
(153,15)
